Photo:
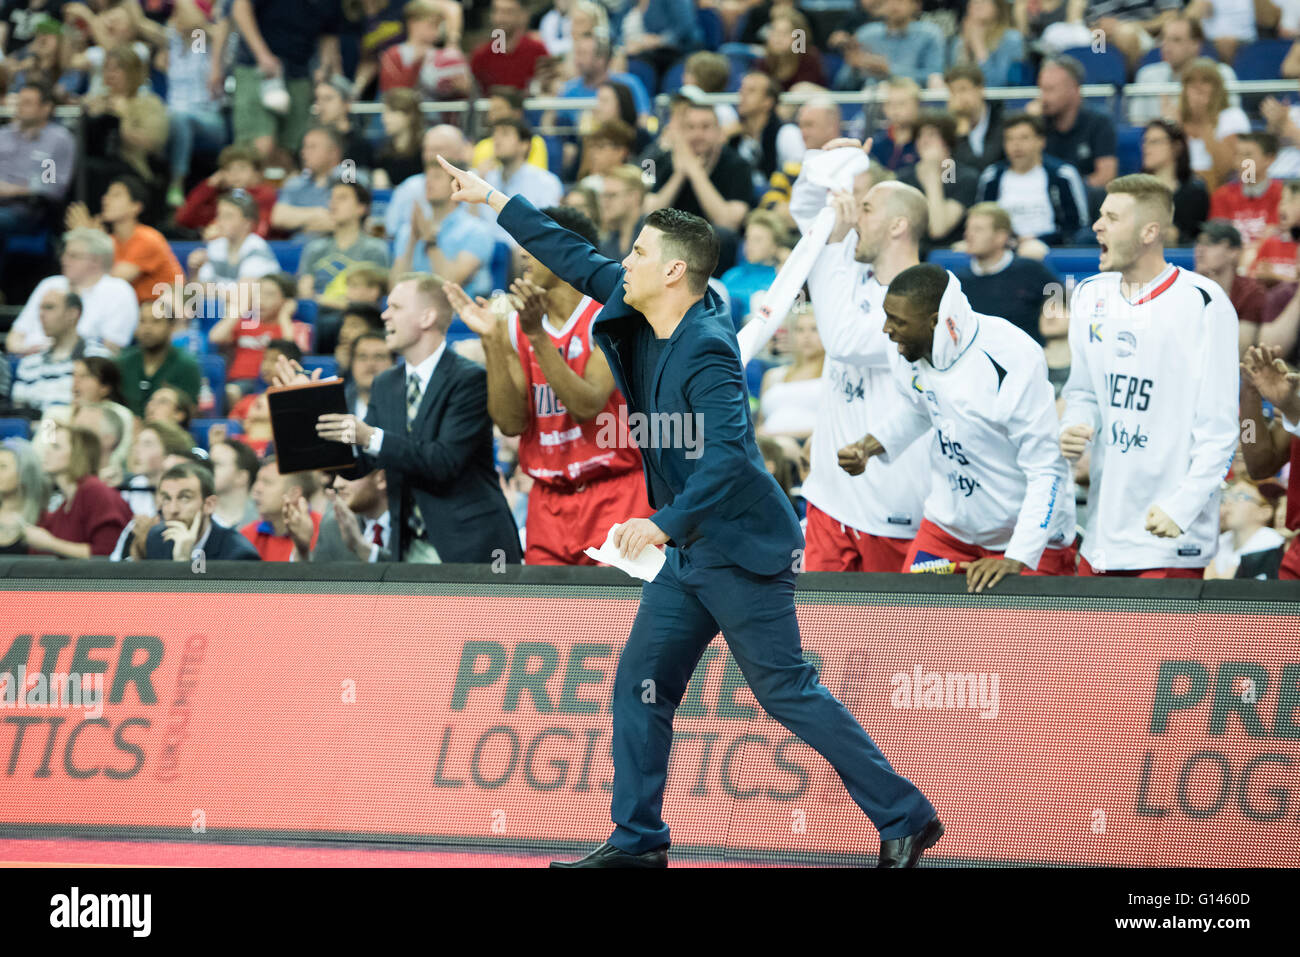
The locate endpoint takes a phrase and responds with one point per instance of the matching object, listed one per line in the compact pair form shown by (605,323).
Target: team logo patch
(575,348)
(1125,343)
(1094,332)
(916,384)
(924,562)
(952,331)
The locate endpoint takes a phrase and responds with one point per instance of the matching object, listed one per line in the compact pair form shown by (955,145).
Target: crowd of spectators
(274,155)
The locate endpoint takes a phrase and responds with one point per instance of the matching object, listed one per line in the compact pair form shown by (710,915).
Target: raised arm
(565,253)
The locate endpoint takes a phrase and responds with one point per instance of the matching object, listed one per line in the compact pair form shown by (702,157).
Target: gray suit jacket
(330,546)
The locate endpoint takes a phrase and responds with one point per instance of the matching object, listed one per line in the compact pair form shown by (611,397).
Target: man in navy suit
(427,427)
(732,534)
(187,498)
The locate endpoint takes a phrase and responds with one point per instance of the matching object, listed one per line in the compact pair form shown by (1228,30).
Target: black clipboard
(294,411)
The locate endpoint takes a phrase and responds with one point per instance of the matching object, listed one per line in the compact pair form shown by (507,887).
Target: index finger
(449,168)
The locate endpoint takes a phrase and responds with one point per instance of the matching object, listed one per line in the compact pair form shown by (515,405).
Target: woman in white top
(790,393)
(1210,123)
(1246,517)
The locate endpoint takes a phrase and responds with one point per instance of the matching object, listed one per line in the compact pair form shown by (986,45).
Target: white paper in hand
(646,565)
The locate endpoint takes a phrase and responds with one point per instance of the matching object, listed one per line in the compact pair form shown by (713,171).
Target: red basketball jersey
(556,449)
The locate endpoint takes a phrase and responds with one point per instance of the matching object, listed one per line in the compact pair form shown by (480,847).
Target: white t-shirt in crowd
(1024,197)
(109,312)
(1232,122)
(1231,18)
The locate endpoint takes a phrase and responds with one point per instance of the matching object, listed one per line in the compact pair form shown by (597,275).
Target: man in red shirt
(270,534)
(1217,255)
(551,385)
(239,167)
(1276,260)
(510,54)
(1251,202)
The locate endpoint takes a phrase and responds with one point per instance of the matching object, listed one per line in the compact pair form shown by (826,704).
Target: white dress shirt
(423,372)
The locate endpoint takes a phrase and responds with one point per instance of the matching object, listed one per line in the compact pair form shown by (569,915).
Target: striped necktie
(414,521)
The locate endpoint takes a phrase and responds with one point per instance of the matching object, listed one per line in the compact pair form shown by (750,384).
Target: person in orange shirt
(141,255)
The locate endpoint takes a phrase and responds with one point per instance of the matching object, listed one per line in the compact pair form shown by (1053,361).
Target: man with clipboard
(427,426)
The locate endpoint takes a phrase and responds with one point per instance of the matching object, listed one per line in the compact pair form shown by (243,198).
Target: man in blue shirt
(900,46)
(591,59)
(450,242)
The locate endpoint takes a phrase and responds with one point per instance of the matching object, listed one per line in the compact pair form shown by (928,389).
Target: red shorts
(1290,569)
(562,523)
(830,546)
(936,551)
(1087,571)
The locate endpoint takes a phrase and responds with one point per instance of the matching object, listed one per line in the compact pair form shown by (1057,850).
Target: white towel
(646,565)
(835,170)
(957,326)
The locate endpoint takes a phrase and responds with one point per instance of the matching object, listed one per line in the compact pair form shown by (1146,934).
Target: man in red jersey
(550,385)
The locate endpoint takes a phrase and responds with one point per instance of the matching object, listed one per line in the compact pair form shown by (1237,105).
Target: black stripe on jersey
(1204,295)
(1002,373)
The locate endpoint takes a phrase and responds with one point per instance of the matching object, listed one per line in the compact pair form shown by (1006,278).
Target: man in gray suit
(354,528)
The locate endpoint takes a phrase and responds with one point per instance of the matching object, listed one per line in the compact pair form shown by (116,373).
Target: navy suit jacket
(446,461)
(724,495)
(223,544)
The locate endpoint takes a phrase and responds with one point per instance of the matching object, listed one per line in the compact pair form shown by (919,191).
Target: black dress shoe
(607,855)
(906,851)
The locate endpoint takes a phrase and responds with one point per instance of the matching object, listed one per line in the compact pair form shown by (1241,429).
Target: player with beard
(1153,389)
(549,384)
(999,501)
(862,524)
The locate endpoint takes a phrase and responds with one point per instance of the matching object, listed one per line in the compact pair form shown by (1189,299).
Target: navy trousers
(697,594)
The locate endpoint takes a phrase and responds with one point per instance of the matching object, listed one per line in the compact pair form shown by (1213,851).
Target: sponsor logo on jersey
(575,348)
(924,562)
(962,485)
(1122,439)
(1189,551)
(1094,331)
(1125,344)
(1129,392)
(952,331)
(899,518)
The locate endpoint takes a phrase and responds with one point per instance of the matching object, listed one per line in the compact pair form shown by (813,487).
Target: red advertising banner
(1042,731)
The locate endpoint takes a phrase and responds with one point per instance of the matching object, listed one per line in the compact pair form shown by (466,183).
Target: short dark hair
(1026,119)
(575,221)
(522,129)
(511,95)
(615,133)
(771,87)
(44,89)
(286,348)
(691,239)
(1220,231)
(72,301)
(185,470)
(288,286)
(245,457)
(367,313)
(240,153)
(964,71)
(138,192)
(358,190)
(365,336)
(924,284)
(305,481)
(941,123)
(335,137)
(1266,141)
(184,401)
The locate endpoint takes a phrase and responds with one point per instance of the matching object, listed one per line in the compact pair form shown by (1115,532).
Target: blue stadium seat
(15,428)
(199,428)
(13,367)
(213,369)
(755,369)
(645,73)
(1129,149)
(831,65)
(499,267)
(673,77)
(1108,66)
(307,311)
(379,200)
(711,27)
(28,244)
(328,365)
(288,253)
(1261,60)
